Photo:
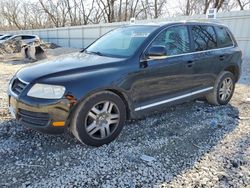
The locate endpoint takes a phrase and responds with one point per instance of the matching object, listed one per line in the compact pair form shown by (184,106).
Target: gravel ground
(190,145)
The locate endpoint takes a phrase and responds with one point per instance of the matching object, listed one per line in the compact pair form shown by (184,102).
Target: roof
(160,24)
(20,34)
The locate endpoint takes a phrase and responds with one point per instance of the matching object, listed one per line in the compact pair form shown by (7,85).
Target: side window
(175,39)
(224,39)
(204,37)
(4,38)
(17,38)
(27,37)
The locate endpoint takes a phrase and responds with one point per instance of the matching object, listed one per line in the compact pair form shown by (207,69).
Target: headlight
(46,91)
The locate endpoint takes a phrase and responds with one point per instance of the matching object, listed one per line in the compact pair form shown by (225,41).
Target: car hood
(64,65)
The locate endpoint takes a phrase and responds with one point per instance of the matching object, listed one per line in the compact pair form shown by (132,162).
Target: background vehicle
(26,39)
(128,73)
(4,37)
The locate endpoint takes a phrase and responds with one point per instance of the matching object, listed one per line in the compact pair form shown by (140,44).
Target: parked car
(4,37)
(127,73)
(26,39)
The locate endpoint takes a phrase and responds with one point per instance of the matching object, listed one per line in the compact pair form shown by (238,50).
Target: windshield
(121,42)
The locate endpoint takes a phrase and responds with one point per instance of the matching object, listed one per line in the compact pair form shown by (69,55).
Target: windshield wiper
(83,50)
(97,53)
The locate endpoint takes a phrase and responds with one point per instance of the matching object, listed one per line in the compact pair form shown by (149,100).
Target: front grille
(18,86)
(33,118)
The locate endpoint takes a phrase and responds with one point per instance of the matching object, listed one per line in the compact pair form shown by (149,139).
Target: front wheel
(99,119)
(223,89)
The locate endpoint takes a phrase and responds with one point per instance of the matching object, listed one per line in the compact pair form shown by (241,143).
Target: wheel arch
(116,91)
(234,70)
(124,99)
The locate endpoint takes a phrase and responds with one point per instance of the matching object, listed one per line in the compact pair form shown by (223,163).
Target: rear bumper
(40,114)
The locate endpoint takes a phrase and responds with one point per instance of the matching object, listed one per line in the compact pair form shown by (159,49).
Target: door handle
(190,63)
(222,57)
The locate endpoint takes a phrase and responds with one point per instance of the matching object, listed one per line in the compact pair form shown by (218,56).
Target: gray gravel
(189,145)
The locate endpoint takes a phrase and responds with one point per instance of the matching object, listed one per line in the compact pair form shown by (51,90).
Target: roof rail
(205,20)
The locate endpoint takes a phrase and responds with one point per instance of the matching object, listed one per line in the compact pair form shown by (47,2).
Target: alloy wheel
(226,89)
(102,120)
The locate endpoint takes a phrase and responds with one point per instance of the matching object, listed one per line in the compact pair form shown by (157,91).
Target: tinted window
(175,39)
(224,39)
(27,37)
(4,38)
(204,37)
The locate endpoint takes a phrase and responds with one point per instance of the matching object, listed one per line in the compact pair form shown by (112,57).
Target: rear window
(224,39)
(204,37)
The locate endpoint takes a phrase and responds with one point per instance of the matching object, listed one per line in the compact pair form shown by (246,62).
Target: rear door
(226,54)
(205,56)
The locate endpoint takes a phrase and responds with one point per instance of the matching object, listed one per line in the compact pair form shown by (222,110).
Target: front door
(161,79)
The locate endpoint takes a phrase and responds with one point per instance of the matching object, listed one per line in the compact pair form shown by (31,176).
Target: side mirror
(157,52)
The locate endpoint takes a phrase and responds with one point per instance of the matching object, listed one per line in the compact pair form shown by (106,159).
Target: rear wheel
(223,89)
(99,119)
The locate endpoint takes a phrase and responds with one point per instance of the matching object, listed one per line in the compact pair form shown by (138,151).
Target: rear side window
(27,37)
(17,38)
(175,39)
(204,37)
(224,39)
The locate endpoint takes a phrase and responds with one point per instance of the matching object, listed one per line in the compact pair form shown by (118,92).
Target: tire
(99,119)
(222,88)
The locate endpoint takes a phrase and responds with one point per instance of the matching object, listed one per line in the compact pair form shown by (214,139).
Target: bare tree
(120,11)
(59,13)
(48,7)
(155,9)
(190,7)
(218,4)
(243,3)
(85,13)
(10,10)
(108,9)
(207,3)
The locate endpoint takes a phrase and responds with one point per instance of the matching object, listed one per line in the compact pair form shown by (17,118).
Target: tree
(243,3)
(59,13)
(10,11)
(108,9)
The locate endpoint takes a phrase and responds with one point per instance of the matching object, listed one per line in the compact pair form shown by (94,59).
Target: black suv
(127,73)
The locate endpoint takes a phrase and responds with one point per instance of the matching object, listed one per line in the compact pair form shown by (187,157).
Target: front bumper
(40,114)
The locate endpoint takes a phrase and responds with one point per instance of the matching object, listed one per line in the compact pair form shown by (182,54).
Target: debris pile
(10,47)
(17,46)
(33,52)
(37,50)
(49,45)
